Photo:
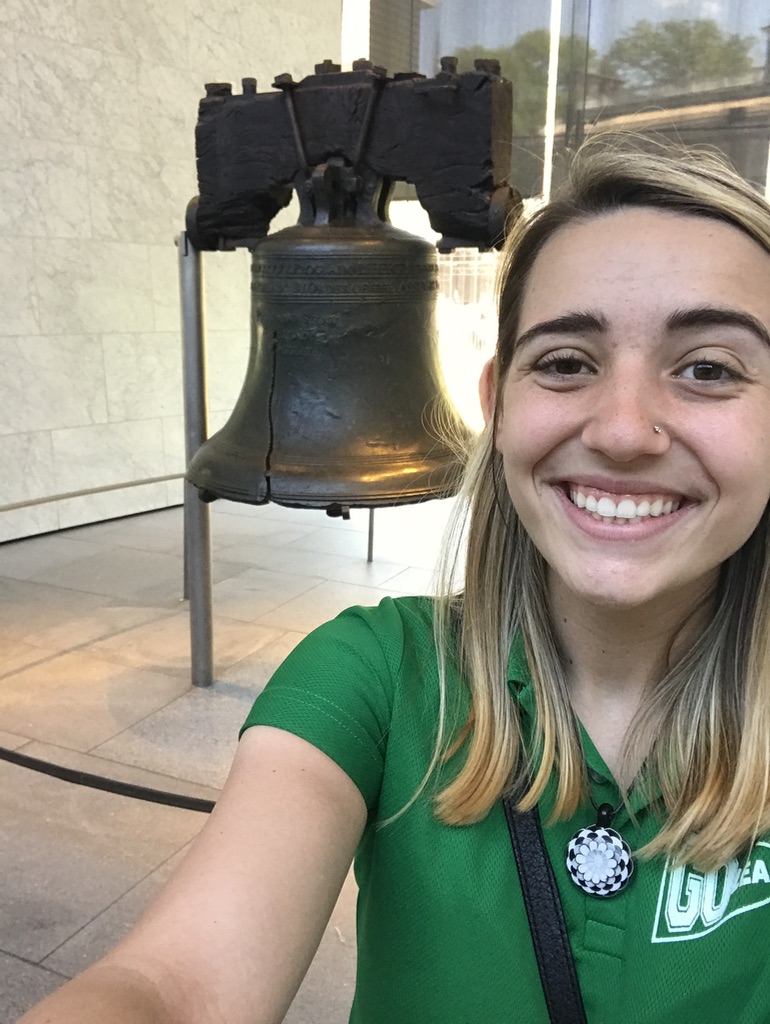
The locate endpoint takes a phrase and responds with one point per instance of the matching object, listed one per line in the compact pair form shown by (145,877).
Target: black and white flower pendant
(599,859)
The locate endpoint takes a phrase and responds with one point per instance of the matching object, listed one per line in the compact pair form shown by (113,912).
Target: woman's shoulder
(340,685)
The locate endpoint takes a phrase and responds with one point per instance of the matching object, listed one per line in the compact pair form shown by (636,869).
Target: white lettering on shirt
(692,904)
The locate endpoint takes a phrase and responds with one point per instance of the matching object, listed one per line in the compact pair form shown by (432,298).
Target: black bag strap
(545,915)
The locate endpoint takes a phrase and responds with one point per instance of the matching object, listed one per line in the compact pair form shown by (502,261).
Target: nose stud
(656,429)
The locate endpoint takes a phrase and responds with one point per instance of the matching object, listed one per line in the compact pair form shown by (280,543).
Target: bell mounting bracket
(343,139)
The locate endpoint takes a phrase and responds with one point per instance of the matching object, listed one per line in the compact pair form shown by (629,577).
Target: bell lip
(382,499)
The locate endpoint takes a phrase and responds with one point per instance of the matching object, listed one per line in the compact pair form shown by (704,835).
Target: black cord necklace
(599,859)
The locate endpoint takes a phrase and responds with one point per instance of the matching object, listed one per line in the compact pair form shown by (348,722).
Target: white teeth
(606,508)
(625,511)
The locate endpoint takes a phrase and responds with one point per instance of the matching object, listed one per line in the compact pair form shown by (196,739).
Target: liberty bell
(343,404)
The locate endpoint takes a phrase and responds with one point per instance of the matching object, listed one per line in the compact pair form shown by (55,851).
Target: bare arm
(230,937)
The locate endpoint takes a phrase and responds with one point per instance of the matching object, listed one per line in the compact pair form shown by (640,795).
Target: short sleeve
(336,689)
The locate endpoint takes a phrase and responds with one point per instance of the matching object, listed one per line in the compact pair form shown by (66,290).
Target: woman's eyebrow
(717,316)
(568,323)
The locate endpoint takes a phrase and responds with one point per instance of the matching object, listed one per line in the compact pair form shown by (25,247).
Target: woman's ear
(488,391)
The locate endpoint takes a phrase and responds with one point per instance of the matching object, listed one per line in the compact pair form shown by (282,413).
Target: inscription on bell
(375,288)
(360,267)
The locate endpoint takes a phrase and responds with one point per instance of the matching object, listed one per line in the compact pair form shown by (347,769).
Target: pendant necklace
(599,859)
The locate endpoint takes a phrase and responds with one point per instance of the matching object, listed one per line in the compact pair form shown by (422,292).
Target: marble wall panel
(107,453)
(169,101)
(161,29)
(75,94)
(136,197)
(26,466)
(25,522)
(216,49)
(10,119)
(174,444)
(227,290)
(217,419)
(19,302)
(87,286)
(227,357)
(44,189)
(52,19)
(51,381)
(175,492)
(292,36)
(94,508)
(164,274)
(307,34)
(99,103)
(143,375)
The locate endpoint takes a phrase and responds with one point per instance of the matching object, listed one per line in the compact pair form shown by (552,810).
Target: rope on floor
(156,796)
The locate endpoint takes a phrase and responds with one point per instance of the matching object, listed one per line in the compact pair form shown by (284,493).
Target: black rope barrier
(129,789)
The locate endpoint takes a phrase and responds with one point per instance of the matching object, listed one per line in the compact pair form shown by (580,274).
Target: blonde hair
(705,729)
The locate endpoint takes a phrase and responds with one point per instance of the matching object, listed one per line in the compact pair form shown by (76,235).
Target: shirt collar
(520,677)
(523,691)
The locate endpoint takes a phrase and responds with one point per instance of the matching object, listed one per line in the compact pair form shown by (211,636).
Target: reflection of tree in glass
(676,54)
(525,63)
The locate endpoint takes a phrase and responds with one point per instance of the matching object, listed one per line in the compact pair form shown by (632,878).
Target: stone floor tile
(255,670)
(68,852)
(104,932)
(100,624)
(16,654)
(23,985)
(35,556)
(164,645)
(11,741)
(161,531)
(412,581)
(331,541)
(27,608)
(193,738)
(327,566)
(115,572)
(257,591)
(320,604)
(78,700)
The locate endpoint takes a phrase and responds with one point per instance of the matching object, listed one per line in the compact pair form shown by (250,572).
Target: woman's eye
(562,366)
(706,370)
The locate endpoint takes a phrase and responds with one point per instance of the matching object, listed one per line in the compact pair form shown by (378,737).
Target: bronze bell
(343,401)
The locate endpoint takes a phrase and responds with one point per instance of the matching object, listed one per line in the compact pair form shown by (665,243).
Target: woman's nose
(627,421)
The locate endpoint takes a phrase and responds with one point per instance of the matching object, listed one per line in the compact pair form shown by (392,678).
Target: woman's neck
(613,656)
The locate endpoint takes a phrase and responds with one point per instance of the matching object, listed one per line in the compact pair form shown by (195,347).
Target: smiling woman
(606,661)
(674,339)
(623,486)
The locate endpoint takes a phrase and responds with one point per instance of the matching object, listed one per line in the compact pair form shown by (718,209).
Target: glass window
(695,71)
(517,34)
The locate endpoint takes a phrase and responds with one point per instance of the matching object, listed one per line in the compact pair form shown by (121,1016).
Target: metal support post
(197,517)
(370,546)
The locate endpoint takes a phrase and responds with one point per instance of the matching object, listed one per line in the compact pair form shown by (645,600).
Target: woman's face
(635,420)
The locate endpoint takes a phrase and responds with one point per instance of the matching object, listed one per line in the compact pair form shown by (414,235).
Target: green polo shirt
(443,936)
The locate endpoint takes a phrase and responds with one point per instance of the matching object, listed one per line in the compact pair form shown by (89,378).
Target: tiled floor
(94,674)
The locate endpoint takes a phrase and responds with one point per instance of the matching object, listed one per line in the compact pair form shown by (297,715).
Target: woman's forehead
(638,259)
